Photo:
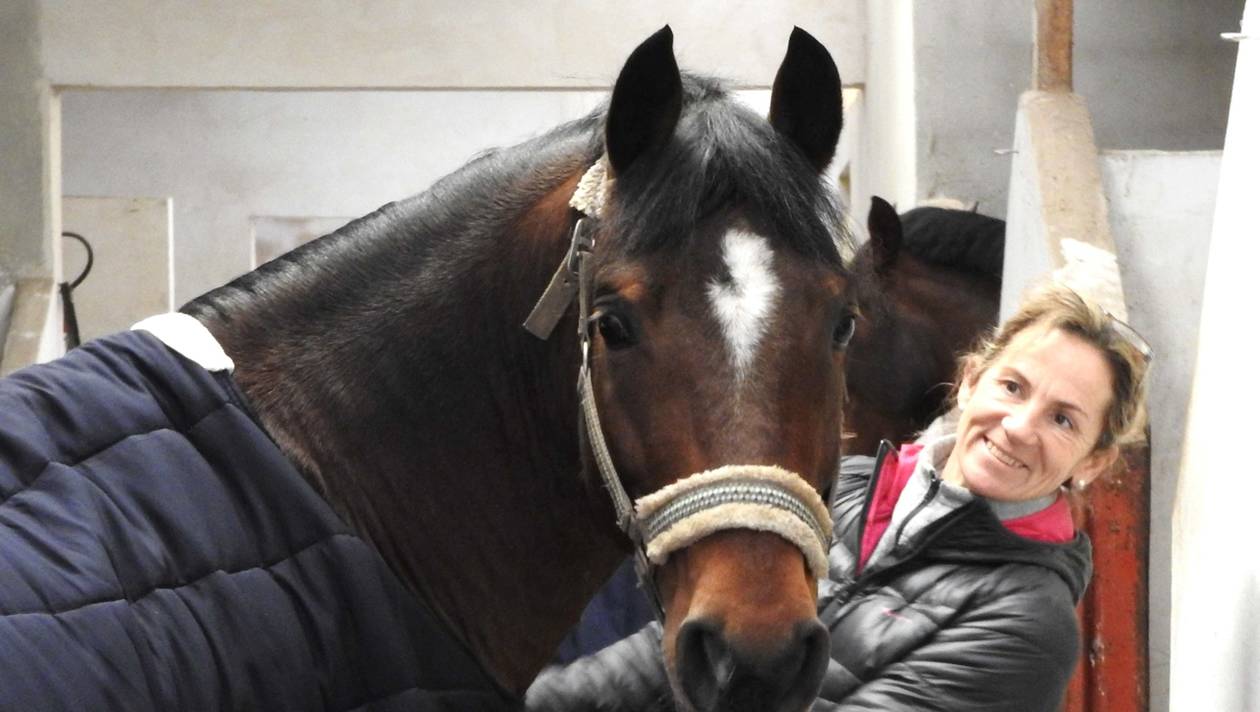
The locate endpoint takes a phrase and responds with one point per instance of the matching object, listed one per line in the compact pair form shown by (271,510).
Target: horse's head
(718,317)
(926,286)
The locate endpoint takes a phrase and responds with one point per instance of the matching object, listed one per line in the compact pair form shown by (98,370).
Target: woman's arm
(628,676)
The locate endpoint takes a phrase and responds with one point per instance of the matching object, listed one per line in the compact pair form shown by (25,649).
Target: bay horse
(700,301)
(928,285)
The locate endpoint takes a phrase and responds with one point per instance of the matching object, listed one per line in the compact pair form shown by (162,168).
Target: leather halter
(738,496)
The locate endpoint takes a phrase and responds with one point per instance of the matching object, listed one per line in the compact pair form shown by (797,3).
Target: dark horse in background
(929,284)
(388,363)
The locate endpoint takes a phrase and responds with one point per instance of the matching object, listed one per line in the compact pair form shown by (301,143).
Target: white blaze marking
(743,304)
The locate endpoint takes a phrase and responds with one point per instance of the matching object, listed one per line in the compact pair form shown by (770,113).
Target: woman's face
(1030,421)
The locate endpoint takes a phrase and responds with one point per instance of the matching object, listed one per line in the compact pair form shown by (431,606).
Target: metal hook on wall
(69,321)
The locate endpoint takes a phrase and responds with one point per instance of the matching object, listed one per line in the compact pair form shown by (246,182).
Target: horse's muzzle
(715,674)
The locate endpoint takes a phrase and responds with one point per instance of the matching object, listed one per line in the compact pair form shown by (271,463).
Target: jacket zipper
(941,525)
(933,486)
(885,447)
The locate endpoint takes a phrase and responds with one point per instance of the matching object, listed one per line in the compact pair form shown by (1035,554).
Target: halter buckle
(558,295)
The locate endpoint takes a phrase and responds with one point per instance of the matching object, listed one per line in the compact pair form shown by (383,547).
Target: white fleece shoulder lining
(189,338)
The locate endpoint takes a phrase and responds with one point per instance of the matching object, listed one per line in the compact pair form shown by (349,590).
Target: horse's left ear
(645,102)
(806,104)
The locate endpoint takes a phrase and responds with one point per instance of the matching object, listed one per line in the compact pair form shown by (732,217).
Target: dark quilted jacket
(158,552)
(967,616)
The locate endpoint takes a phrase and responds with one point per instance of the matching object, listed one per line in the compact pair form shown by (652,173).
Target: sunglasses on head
(1131,336)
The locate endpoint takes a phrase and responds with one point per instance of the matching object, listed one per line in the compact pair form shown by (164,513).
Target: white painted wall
(434,44)
(1215,571)
(1161,206)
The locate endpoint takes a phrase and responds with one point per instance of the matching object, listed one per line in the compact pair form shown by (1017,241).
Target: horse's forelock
(723,156)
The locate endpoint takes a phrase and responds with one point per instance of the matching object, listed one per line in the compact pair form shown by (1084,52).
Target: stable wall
(228,159)
(435,44)
(1154,74)
(225,157)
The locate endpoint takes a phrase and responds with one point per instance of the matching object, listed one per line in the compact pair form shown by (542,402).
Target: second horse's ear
(645,102)
(806,104)
(884,227)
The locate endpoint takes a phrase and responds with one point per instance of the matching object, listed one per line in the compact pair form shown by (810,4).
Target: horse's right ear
(645,102)
(806,104)
(884,227)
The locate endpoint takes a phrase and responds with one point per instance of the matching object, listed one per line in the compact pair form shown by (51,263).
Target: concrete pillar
(1215,570)
(886,165)
(30,189)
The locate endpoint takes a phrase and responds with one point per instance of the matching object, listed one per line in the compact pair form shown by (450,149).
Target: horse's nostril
(716,676)
(802,669)
(705,663)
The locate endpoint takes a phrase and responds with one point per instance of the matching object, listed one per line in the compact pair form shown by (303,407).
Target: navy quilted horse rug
(158,552)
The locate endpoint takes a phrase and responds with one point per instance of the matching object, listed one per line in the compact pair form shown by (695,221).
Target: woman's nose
(1018,424)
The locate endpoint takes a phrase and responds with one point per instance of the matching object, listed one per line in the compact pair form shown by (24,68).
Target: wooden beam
(1052,55)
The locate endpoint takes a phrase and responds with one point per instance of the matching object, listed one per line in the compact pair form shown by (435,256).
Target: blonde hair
(1056,306)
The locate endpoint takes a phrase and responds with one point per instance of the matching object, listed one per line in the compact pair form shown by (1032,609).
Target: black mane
(960,239)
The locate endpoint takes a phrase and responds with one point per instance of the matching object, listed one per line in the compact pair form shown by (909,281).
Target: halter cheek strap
(757,497)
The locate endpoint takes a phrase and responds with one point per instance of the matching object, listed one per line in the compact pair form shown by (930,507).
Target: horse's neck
(444,433)
(961,303)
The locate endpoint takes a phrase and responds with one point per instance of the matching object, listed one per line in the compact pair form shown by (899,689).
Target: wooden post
(1052,55)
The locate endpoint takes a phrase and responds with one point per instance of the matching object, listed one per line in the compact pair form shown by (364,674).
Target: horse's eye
(844,332)
(615,330)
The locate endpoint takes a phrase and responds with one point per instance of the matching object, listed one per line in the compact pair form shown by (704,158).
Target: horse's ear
(645,102)
(884,227)
(806,105)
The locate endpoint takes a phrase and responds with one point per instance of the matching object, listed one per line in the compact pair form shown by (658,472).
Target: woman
(955,568)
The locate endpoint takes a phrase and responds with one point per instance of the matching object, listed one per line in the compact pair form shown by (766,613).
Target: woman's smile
(1003,456)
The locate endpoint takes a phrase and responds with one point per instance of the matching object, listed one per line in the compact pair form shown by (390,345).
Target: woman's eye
(1063,421)
(614,329)
(844,332)
(1010,387)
